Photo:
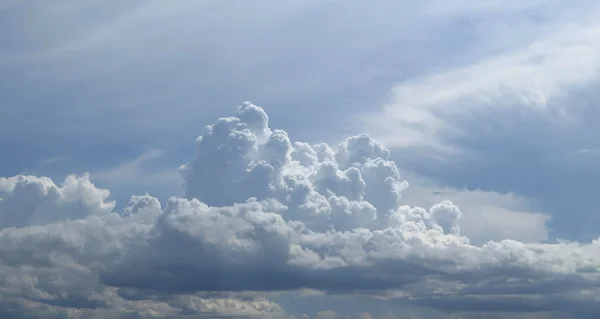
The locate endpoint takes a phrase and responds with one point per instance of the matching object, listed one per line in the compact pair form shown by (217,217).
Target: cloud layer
(264,213)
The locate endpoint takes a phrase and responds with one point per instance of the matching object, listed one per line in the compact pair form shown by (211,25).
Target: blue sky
(489,104)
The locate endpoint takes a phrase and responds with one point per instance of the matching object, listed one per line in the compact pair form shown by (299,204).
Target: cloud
(427,111)
(145,173)
(30,200)
(434,46)
(509,121)
(264,213)
(328,314)
(256,57)
(486,215)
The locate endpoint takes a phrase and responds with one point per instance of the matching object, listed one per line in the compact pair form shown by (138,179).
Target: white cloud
(30,200)
(327,314)
(264,213)
(430,111)
(71,252)
(126,66)
(486,215)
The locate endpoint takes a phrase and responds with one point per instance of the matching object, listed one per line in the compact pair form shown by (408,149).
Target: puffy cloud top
(239,158)
(263,213)
(30,200)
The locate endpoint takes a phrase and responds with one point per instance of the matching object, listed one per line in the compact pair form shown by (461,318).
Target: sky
(299,159)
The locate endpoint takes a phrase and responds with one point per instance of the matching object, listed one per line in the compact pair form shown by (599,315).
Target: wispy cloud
(196,57)
(430,110)
(508,121)
(131,171)
(147,173)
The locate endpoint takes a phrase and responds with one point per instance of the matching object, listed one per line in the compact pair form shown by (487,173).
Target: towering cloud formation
(240,158)
(263,213)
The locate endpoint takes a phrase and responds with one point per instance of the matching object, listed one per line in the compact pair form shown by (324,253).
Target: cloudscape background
(397,159)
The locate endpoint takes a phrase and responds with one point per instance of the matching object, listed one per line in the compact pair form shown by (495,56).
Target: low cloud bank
(264,213)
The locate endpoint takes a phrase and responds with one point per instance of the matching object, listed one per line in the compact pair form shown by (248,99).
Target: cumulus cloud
(264,213)
(485,215)
(31,200)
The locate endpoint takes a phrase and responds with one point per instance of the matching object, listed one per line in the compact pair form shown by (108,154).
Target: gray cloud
(263,213)
(30,200)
